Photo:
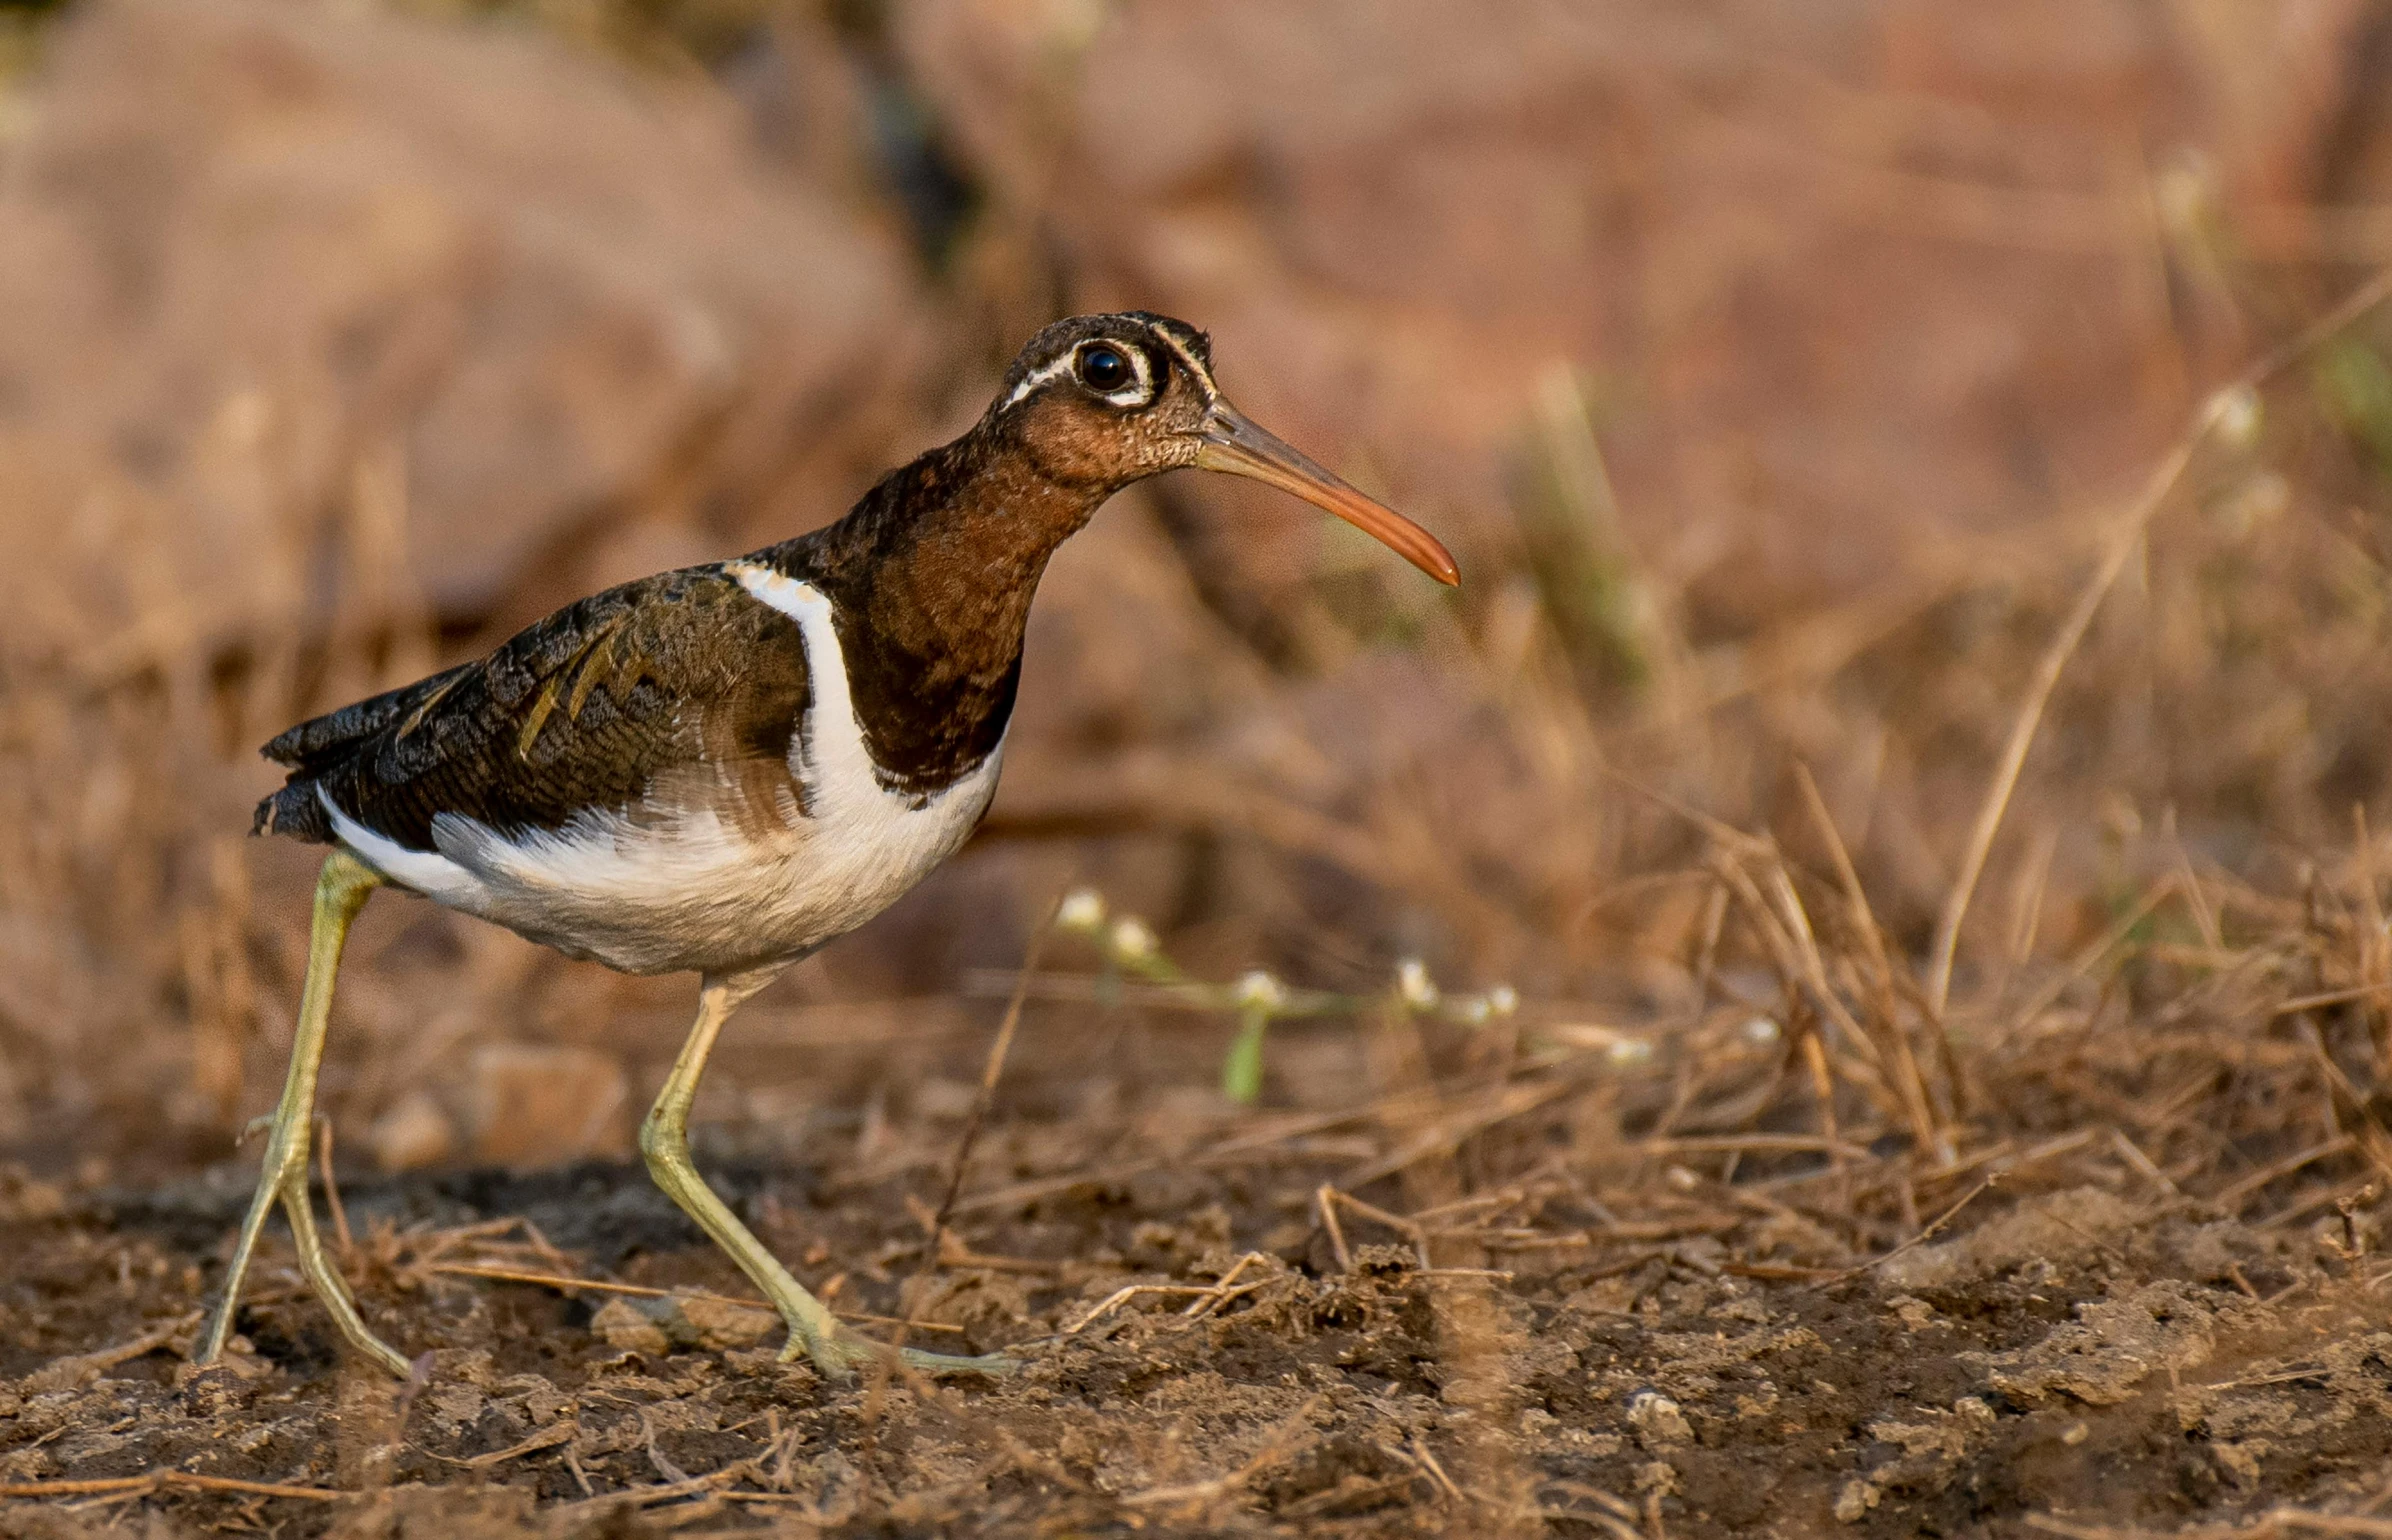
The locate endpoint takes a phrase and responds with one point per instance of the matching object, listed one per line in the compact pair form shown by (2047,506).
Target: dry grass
(1786,952)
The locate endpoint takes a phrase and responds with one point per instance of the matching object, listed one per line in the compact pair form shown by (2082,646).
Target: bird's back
(669,775)
(582,711)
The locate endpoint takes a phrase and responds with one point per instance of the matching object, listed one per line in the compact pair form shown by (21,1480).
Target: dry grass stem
(642,1291)
(1947,915)
(2124,536)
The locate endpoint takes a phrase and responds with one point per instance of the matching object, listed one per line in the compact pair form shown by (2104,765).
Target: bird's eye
(1103,369)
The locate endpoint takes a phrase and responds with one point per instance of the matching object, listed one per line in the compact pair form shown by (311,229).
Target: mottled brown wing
(683,676)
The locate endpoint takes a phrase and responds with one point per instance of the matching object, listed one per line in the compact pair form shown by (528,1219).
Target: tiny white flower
(1131,938)
(1503,999)
(1412,981)
(1762,1030)
(1258,990)
(2234,412)
(1082,911)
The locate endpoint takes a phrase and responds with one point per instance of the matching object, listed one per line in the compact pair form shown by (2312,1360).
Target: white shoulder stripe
(792,598)
(831,743)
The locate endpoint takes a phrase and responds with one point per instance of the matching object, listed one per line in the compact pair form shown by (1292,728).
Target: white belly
(682,887)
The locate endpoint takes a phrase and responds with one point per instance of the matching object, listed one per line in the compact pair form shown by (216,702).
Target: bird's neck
(930,578)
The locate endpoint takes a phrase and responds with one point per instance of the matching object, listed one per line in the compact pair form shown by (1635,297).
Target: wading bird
(719,769)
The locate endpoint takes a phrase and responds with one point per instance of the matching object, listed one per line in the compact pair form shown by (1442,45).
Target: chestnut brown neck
(930,579)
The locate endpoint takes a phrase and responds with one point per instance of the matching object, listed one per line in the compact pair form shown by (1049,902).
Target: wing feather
(681,681)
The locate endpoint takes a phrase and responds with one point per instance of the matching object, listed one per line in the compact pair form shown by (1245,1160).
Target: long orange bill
(1234,444)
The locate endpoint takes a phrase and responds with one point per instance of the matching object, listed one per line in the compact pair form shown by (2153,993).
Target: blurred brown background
(1770,368)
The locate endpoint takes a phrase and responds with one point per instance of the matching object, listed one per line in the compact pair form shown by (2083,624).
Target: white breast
(682,887)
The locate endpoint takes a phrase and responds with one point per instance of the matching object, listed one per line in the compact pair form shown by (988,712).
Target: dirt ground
(2066,1354)
(1909,758)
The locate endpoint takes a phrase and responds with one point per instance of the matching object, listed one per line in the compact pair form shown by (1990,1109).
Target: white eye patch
(1140,387)
(1139,390)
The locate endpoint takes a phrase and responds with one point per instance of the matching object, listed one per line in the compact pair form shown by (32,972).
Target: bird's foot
(837,1354)
(284,1181)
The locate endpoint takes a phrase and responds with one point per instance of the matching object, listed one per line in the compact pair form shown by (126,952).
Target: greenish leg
(342,888)
(664,1139)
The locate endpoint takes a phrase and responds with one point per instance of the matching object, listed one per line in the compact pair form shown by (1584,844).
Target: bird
(719,769)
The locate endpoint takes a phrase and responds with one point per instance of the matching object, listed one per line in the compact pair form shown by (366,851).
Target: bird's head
(1110,399)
